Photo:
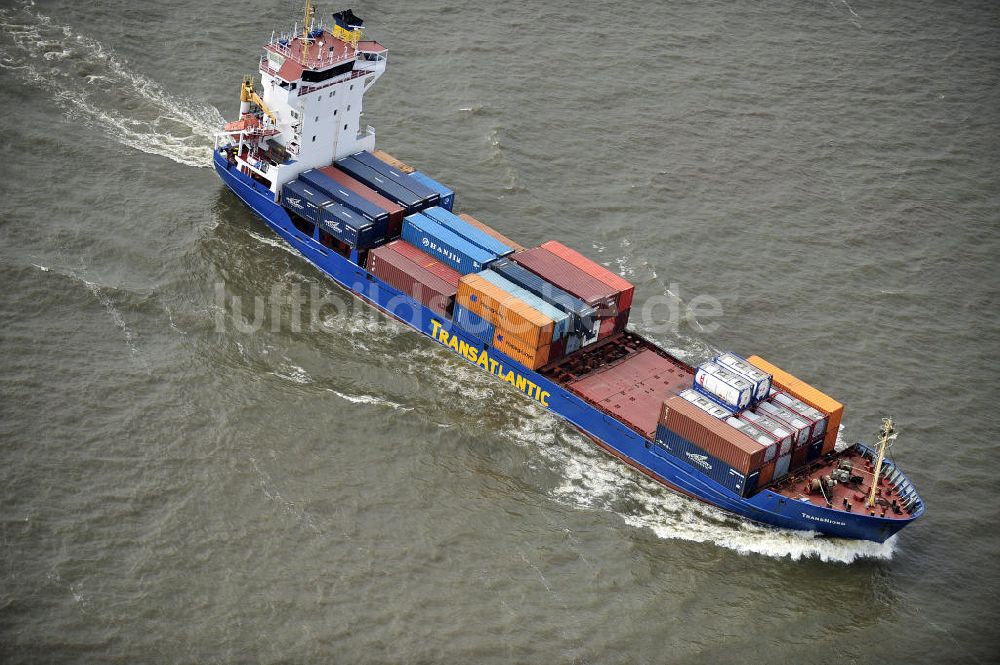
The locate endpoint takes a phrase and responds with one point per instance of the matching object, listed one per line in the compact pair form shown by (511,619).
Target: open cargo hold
(364,199)
(382,184)
(713,436)
(739,365)
(582,314)
(560,319)
(428,195)
(485,228)
(456,224)
(400,272)
(624,288)
(442,244)
(509,314)
(720,384)
(705,404)
(570,278)
(447,200)
(634,388)
(392,161)
(428,262)
(803,391)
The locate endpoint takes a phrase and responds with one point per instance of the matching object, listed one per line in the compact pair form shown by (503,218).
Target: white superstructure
(308,112)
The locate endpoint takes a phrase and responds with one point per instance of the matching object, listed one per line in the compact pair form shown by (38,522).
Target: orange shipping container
(799,389)
(491,232)
(392,161)
(505,311)
(524,353)
(766,474)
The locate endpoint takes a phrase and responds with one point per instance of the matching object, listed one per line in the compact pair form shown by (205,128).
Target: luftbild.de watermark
(314,308)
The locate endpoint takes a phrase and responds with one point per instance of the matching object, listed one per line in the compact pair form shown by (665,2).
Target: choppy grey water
(180,486)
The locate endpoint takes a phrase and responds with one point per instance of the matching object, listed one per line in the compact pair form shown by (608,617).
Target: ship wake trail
(593,480)
(96,88)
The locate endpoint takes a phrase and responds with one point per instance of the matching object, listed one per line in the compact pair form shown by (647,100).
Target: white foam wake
(96,88)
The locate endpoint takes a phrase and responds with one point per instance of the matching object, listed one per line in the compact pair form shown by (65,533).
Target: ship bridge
(310,105)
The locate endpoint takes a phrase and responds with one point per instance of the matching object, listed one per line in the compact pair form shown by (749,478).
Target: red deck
(849,497)
(633,389)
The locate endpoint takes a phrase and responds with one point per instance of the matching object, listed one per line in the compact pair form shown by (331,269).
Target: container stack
(472,221)
(333,218)
(584,320)
(710,445)
(503,320)
(415,274)
(393,162)
(445,245)
(800,392)
(476,236)
(622,286)
(446,194)
(579,276)
(361,198)
(390,182)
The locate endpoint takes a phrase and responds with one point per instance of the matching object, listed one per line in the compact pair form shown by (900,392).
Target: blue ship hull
(766,507)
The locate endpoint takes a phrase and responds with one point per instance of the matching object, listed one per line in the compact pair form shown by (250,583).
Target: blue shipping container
(321,181)
(685,451)
(560,319)
(474,324)
(583,314)
(450,248)
(303,200)
(346,225)
(428,195)
(447,195)
(381,184)
(815,450)
(468,231)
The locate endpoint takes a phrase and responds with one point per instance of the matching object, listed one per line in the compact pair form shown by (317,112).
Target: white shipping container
(780,432)
(818,418)
(705,404)
(803,428)
(732,390)
(760,379)
(781,468)
(763,438)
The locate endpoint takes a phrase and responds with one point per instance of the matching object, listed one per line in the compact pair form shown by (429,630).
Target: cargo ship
(736,432)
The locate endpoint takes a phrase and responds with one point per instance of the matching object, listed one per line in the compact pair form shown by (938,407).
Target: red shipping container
(411,278)
(611,326)
(799,456)
(624,287)
(766,473)
(714,436)
(417,255)
(395,211)
(570,278)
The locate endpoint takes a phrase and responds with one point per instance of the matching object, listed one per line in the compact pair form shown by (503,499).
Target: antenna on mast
(306,27)
(887,434)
